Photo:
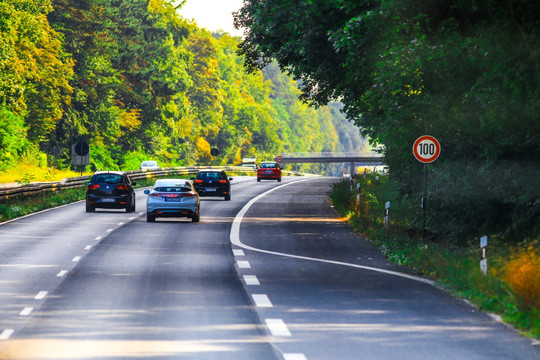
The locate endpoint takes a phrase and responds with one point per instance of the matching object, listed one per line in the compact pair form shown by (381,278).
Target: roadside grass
(24,174)
(12,208)
(511,288)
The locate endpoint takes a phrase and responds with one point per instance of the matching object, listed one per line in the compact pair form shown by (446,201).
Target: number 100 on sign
(426,149)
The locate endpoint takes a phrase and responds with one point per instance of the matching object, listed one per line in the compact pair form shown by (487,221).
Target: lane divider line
(244,264)
(277,327)
(262,300)
(26,311)
(62,273)
(251,280)
(6,334)
(235,240)
(76,259)
(87,247)
(238,252)
(294,356)
(40,295)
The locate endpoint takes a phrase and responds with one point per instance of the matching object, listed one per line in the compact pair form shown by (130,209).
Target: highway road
(271,274)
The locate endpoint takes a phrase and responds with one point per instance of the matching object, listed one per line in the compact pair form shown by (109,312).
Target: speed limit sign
(426,149)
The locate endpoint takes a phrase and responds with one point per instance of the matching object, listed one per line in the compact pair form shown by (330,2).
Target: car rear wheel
(196,218)
(279,180)
(150,218)
(90,208)
(227,197)
(258,179)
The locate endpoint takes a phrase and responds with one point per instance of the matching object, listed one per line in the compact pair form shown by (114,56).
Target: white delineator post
(483,256)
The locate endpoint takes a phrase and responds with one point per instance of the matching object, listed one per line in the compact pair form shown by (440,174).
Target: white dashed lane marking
(244,264)
(238,252)
(26,311)
(277,327)
(6,334)
(251,280)
(294,356)
(262,300)
(40,295)
(62,273)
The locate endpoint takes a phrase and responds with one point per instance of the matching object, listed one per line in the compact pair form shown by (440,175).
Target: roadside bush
(522,274)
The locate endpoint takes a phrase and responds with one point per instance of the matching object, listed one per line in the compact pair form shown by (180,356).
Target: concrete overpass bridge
(354,159)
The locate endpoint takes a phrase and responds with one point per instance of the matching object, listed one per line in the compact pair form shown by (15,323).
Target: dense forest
(465,72)
(136,81)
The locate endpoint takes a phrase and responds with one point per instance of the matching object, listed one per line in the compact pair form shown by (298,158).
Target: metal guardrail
(74,182)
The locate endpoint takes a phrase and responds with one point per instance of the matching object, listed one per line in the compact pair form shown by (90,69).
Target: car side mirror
(133,183)
(230,179)
(191,178)
(147,192)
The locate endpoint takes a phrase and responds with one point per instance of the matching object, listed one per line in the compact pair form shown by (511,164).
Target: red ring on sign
(437,149)
(279,158)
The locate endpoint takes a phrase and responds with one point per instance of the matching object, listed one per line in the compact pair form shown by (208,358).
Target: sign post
(426,149)
(483,256)
(80,155)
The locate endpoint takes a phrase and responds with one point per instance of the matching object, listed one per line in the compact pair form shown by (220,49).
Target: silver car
(172,198)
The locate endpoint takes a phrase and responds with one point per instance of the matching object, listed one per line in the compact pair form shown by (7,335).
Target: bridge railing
(330,154)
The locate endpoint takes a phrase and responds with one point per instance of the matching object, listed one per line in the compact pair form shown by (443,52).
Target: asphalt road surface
(271,274)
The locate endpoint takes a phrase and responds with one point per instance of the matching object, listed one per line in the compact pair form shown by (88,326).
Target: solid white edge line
(235,240)
(62,273)
(6,334)
(262,300)
(277,327)
(76,259)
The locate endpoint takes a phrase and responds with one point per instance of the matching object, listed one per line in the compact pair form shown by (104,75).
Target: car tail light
(198,181)
(92,186)
(189,194)
(122,187)
(155,194)
(222,181)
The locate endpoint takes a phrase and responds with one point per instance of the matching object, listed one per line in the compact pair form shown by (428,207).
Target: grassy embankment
(25,174)
(511,287)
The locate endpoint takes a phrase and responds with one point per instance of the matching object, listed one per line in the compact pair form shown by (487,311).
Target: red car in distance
(269,170)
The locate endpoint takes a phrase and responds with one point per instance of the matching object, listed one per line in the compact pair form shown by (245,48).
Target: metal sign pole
(424,203)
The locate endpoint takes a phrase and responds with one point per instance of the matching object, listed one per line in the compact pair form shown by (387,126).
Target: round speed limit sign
(426,149)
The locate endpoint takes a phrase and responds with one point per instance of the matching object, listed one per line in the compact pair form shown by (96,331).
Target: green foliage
(136,81)
(12,138)
(466,73)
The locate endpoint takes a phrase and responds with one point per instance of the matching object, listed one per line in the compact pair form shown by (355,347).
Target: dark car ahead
(213,183)
(110,190)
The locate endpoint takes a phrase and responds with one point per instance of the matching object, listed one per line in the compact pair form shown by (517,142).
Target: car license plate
(210,189)
(269,171)
(107,200)
(171,199)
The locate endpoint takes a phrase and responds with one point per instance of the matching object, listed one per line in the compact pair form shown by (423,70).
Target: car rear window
(107,179)
(208,175)
(173,189)
(268,165)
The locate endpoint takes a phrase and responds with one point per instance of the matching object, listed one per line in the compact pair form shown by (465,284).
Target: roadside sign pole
(424,204)
(426,149)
